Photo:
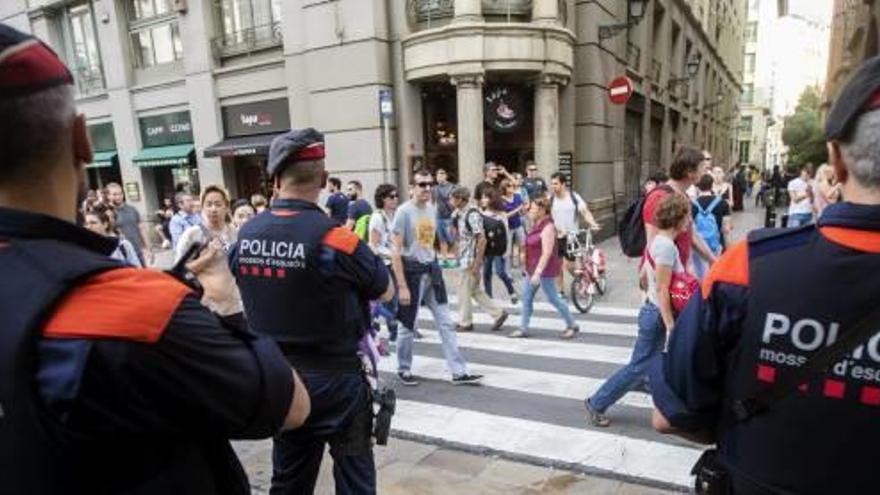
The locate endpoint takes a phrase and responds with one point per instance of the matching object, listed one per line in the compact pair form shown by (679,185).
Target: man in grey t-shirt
(420,280)
(128,220)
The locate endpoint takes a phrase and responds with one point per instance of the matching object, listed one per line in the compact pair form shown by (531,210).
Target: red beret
(27,65)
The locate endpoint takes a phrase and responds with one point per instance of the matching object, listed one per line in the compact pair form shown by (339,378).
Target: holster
(711,477)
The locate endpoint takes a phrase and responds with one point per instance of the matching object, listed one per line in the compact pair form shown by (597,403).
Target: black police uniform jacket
(306,282)
(115,379)
(766,307)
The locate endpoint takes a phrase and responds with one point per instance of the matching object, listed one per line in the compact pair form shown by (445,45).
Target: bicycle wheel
(581,295)
(602,285)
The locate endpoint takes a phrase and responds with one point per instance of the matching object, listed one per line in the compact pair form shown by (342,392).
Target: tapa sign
(262,117)
(503,110)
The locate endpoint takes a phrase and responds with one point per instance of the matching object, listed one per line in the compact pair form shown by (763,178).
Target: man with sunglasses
(534,185)
(420,279)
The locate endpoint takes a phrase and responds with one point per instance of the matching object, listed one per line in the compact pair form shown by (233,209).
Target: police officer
(770,306)
(305,282)
(112,379)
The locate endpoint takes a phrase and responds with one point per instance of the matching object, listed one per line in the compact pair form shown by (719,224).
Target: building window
(750,63)
(745,124)
(84,56)
(744,151)
(752,32)
(248,25)
(155,35)
(748,95)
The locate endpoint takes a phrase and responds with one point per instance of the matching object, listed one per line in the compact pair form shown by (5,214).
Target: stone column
(545,11)
(471,146)
(468,11)
(547,123)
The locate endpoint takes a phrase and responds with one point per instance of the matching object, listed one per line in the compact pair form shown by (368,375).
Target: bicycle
(589,273)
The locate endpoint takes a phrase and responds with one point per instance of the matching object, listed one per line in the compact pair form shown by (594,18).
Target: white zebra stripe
(520,380)
(589,448)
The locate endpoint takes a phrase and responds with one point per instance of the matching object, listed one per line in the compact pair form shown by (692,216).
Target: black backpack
(631,229)
(496,234)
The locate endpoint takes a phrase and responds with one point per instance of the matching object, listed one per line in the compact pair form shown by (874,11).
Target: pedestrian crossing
(530,405)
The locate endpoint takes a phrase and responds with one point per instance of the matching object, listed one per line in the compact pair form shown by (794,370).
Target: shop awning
(165,156)
(241,146)
(102,159)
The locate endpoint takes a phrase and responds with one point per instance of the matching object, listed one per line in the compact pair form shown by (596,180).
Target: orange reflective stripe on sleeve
(126,303)
(342,239)
(861,240)
(731,268)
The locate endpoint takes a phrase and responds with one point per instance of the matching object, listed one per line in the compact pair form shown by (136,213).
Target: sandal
(595,417)
(570,333)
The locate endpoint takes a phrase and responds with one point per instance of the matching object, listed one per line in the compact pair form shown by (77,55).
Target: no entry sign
(620,90)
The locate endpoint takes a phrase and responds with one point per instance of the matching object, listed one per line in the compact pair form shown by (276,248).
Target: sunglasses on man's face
(425,185)
(393,196)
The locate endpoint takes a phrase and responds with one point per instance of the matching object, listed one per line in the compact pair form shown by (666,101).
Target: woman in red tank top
(542,266)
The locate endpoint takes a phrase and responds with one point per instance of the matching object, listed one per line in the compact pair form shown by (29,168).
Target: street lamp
(637,9)
(692,67)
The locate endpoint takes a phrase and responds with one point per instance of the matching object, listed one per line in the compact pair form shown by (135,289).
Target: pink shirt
(533,252)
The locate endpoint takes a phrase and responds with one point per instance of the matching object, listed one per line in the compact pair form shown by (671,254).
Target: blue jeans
(442,319)
(649,343)
(341,416)
(391,307)
(499,263)
(548,285)
(799,219)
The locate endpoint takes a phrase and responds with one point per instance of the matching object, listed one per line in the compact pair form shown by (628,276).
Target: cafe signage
(503,111)
(262,117)
(164,130)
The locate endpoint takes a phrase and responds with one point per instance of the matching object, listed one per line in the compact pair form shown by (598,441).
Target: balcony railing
(248,40)
(429,12)
(509,10)
(89,80)
(633,56)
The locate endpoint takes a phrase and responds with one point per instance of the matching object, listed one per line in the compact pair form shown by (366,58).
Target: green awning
(165,156)
(102,159)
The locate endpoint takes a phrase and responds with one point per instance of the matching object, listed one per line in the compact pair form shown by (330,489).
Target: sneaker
(518,334)
(514,299)
(562,295)
(594,417)
(407,378)
(500,321)
(570,333)
(464,328)
(166,244)
(418,335)
(466,379)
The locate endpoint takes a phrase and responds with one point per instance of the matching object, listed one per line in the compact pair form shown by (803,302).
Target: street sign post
(386,112)
(620,90)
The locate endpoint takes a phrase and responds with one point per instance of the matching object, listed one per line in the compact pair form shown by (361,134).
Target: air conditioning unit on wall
(179,6)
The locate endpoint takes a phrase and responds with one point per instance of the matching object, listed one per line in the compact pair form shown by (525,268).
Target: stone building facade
(854,38)
(191,91)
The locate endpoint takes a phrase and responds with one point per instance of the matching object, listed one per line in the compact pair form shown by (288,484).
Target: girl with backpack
(492,208)
(711,220)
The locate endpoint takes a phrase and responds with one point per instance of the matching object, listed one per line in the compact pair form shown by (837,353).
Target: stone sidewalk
(411,468)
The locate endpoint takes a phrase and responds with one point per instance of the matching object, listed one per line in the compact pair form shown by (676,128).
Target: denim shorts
(444,230)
